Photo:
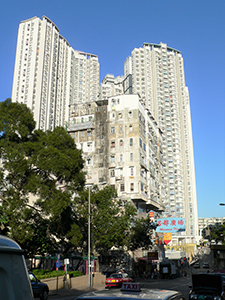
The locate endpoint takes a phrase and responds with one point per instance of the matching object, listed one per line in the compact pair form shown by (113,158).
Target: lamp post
(89,237)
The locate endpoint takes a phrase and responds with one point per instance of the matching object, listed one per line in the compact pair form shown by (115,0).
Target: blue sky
(112,29)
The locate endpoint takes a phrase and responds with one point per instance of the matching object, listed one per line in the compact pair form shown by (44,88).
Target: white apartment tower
(156,73)
(50,75)
(111,86)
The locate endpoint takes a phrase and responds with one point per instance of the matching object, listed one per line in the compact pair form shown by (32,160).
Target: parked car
(40,289)
(206,265)
(197,265)
(132,291)
(117,279)
(206,286)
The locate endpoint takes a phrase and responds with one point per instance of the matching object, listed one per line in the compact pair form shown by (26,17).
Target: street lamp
(89,237)
(89,234)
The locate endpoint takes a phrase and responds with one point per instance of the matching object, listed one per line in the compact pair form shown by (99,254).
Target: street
(178,284)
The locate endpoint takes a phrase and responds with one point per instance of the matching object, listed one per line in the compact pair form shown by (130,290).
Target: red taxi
(117,279)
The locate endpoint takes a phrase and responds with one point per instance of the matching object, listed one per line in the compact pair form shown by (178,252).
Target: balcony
(81,126)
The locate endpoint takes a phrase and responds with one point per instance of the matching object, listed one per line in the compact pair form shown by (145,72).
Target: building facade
(156,73)
(122,146)
(111,86)
(49,74)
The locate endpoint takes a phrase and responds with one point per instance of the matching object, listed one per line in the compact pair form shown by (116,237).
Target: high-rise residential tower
(156,73)
(50,75)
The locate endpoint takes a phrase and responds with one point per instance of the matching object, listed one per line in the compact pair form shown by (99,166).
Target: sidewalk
(72,293)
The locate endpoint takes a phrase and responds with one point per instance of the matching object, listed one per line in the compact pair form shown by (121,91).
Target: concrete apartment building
(111,86)
(156,74)
(49,74)
(122,146)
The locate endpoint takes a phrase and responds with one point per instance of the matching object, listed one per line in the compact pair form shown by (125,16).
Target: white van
(14,280)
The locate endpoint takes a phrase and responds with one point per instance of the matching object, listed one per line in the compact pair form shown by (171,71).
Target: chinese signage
(170,225)
(167,237)
(151,214)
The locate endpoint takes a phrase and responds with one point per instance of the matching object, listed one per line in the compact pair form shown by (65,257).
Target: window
(89,133)
(81,134)
(112,144)
(121,129)
(131,141)
(122,187)
(101,150)
(131,128)
(112,172)
(113,130)
(112,158)
(131,156)
(89,146)
(121,142)
(132,187)
(141,143)
(121,157)
(120,115)
(130,113)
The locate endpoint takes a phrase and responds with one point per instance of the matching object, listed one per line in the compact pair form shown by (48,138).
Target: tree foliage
(218,233)
(110,220)
(39,175)
(141,234)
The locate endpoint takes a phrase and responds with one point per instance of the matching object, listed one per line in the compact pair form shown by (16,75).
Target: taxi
(117,279)
(132,290)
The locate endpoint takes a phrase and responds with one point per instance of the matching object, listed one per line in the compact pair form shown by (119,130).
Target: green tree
(39,175)
(218,233)
(110,220)
(141,234)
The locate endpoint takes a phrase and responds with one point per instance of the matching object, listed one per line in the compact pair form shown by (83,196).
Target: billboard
(170,224)
(167,237)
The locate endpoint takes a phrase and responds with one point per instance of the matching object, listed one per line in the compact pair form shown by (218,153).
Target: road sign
(58,264)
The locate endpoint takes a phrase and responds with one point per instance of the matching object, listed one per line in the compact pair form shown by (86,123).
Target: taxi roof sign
(130,287)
